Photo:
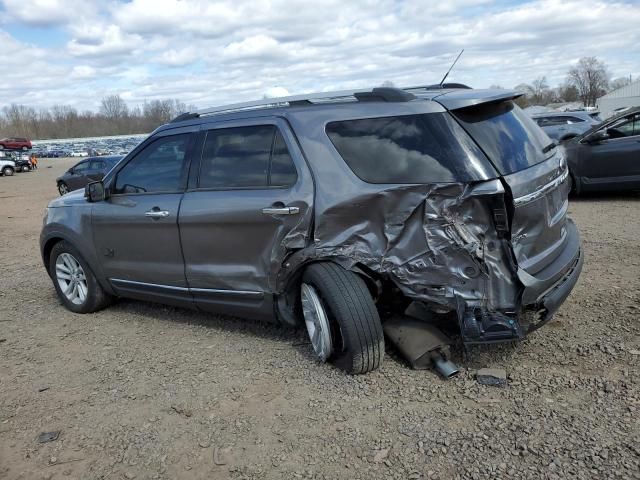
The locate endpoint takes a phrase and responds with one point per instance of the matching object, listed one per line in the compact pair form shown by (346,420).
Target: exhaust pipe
(445,368)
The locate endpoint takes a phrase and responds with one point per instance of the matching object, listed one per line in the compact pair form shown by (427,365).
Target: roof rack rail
(385,94)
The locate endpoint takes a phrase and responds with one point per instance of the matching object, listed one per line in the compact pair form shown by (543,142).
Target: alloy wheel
(71,278)
(317,322)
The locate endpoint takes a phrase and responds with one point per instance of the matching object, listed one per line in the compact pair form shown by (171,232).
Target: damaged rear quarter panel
(437,242)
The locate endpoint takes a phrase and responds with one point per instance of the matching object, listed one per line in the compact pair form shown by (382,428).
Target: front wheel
(25,169)
(341,318)
(63,189)
(76,285)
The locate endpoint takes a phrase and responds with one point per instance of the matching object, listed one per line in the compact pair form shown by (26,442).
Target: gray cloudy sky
(211,52)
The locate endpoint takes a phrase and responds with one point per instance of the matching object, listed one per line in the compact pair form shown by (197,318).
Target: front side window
(97,165)
(625,127)
(246,157)
(423,148)
(81,167)
(159,167)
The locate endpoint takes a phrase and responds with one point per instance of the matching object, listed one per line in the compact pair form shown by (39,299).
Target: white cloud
(210,52)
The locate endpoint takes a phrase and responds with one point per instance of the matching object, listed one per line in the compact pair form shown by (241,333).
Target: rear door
(136,229)
(248,205)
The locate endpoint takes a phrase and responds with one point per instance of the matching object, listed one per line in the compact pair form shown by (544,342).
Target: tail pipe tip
(445,368)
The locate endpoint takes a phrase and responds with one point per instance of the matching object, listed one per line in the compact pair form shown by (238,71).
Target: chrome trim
(156,214)
(543,190)
(281,210)
(238,293)
(144,284)
(216,291)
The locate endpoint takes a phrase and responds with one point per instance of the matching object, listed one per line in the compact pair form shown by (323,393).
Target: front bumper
(542,296)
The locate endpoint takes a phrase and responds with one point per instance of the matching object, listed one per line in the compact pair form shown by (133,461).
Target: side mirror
(597,137)
(94,192)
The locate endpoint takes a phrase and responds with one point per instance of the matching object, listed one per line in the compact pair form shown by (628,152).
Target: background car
(15,143)
(7,167)
(607,157)
(562,126)
(86,171)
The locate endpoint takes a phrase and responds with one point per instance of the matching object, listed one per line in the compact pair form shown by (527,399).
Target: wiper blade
(549,147)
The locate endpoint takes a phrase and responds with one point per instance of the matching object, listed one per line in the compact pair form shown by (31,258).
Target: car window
(81,167)
(159,167)
(422,148)
(283,171)
(625,127)
(246,157)
(574,119)
(97,165)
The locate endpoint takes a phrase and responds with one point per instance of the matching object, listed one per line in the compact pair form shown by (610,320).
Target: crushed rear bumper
(542,296)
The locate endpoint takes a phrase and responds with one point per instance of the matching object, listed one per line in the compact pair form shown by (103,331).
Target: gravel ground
(146,391)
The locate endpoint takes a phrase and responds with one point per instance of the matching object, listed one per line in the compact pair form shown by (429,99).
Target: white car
(78,153)
(7,167)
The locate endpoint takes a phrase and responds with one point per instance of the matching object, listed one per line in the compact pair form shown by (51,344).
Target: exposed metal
(71,278)
(317,321)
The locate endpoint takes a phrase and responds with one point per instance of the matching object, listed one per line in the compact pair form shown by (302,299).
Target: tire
(8,171)
(94,299)
(356,330)
(25,169)
(63,189)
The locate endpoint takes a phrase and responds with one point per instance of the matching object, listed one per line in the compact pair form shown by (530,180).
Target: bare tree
(619,83)
(114,107)
(591,78)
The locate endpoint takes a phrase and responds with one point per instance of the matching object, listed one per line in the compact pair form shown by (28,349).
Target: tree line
(62,121)
(588,80)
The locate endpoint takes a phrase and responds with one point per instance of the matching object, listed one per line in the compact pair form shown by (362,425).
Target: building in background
(624,97)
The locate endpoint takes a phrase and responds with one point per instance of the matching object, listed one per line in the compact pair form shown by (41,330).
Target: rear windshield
(510,138)
(424,148)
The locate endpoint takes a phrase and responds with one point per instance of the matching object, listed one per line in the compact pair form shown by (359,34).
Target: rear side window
(424,148)
(246,157)
(159,167)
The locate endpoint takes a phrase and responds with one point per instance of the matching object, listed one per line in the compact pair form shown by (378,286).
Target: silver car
(562,126)
(351,213)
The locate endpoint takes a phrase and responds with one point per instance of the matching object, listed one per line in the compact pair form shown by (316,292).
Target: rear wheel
(341,318)
(7,171)
(75,283)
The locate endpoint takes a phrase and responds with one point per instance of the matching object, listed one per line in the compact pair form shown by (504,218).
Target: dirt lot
(145,391)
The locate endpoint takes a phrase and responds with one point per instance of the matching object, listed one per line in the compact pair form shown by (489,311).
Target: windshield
(510,138)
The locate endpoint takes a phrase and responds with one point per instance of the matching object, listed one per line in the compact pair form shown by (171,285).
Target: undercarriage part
(479,326)
(421,344)
(446,368)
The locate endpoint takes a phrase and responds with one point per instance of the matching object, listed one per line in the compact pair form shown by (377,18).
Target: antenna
(451,68)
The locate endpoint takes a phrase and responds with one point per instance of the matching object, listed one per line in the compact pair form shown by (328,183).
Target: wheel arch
(287,302)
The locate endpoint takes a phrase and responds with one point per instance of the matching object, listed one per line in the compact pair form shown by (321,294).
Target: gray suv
(336,210)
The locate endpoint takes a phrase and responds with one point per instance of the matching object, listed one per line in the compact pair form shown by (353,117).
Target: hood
(72,198)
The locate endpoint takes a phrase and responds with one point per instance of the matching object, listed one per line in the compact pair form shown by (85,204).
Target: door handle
(281,210)
(156,214)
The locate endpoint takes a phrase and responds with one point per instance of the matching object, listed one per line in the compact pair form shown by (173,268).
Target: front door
(136,229)
(247,209)
(615,161)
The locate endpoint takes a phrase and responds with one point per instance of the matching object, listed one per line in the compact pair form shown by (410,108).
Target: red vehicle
(15,143)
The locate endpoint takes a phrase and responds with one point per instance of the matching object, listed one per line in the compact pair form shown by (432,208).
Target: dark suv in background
(341,211)
(88,170)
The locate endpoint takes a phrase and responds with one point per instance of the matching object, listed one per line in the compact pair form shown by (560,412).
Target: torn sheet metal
(437,243)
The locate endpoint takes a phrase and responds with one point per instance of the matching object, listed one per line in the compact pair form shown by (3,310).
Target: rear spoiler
(457,99)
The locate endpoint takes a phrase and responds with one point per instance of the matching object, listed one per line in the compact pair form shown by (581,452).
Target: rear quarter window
(425,148)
